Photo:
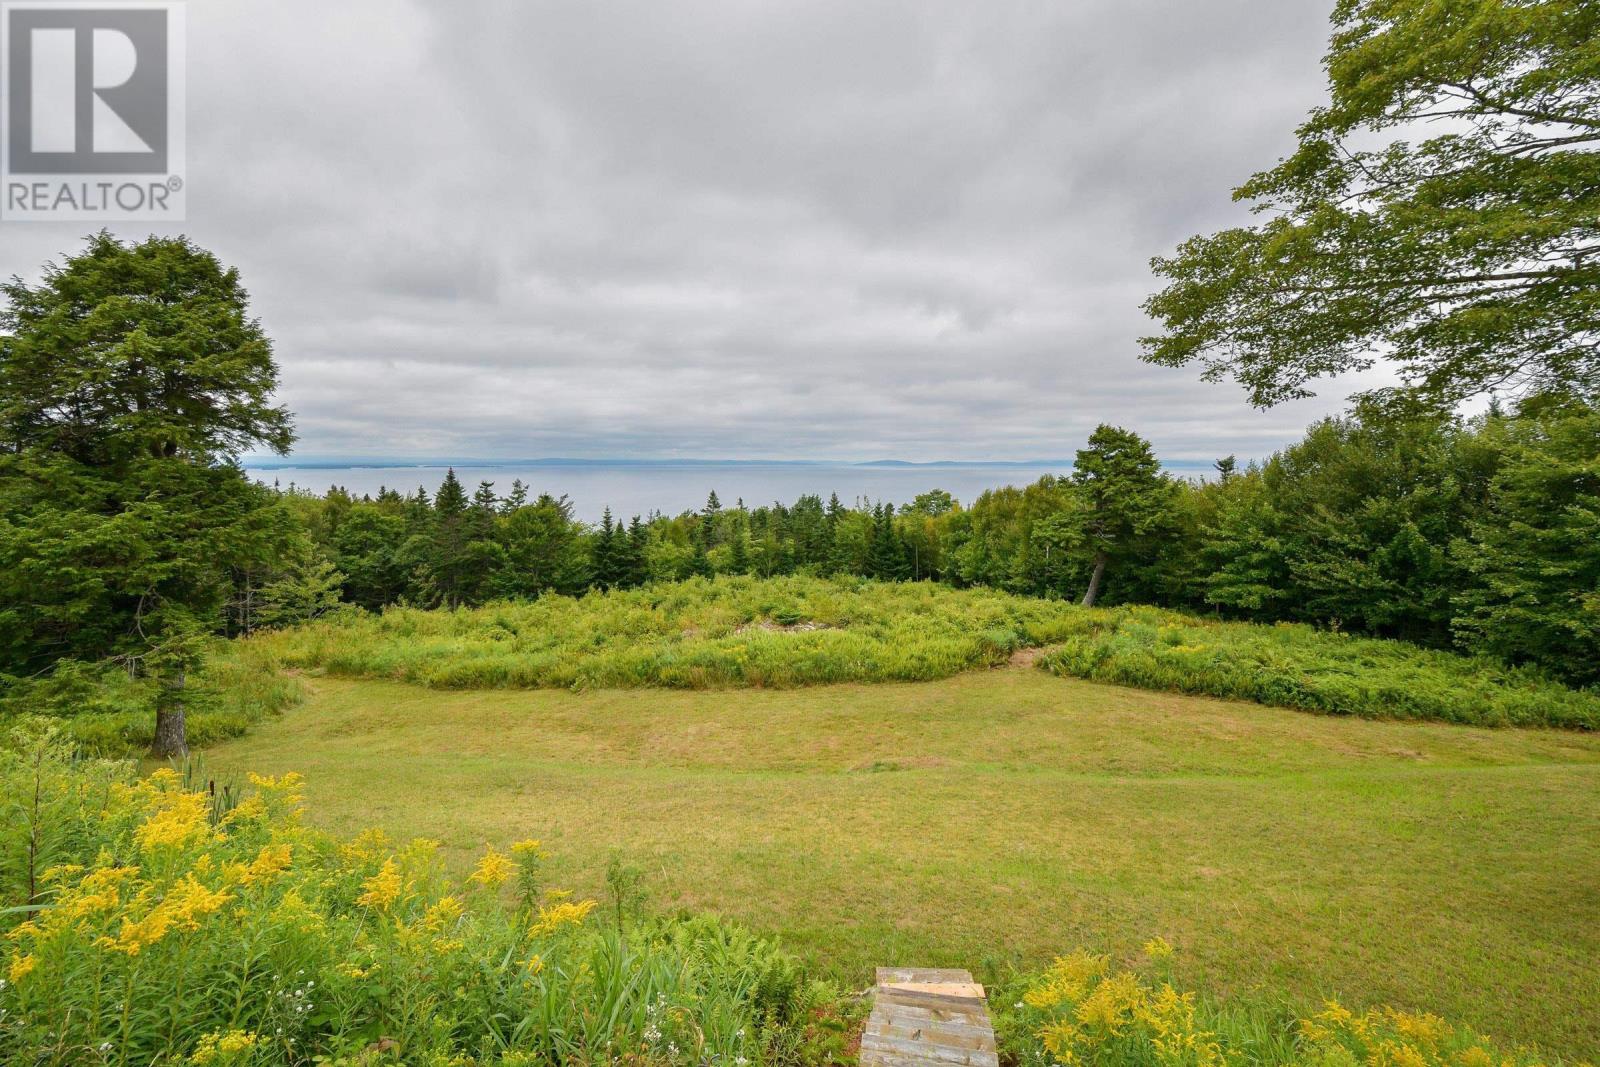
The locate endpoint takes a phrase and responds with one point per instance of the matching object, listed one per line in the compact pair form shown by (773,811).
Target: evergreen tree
(1534,556)
(638,563)
(709,517)
(131,379)
(610,565)
(451,499)
(1127,500)
(739,554)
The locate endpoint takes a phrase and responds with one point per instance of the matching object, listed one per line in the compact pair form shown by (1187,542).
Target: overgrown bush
(172,929)
(1081,1010)
(1295,666)
(109,712)
(697,634)
(798,631)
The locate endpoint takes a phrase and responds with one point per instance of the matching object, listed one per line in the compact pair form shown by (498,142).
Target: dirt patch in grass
(1025,657)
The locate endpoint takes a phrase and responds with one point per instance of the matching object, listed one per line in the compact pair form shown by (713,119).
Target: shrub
(109,713)
(174,930)
(1295,666)
(1081,1010)
(785,632)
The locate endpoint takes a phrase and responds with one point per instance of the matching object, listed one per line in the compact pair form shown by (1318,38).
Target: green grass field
(1005,815)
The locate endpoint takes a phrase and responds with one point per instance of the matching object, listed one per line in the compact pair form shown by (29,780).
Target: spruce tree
(132,377)
(1127,499)
(638,571)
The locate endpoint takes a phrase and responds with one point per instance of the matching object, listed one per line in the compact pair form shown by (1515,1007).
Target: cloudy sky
(848,230)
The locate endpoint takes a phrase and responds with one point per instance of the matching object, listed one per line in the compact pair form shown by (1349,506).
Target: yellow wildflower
(1112,1002)
(382,889)
(1157,948)
(291,780)
(1067,979)
(226,1045)
(528,847)
(136,936)
(364,847)
(188,900)
(1424,1028)
(566,913)
(493,869)
(535,963)
(271,861)
(22,966)
(1059,1038)
(99,891)
(442,915)
(180,819)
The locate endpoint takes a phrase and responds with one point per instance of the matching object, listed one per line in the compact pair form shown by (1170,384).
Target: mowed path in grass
(1005,816)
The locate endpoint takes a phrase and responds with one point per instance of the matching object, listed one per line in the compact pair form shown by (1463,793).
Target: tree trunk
(171,737)
(1092,594)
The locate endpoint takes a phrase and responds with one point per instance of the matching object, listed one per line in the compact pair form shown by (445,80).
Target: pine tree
(609,562)
(739,554)
(1127,499)
(709,517)
(132,377)
(638,569)
(451,498)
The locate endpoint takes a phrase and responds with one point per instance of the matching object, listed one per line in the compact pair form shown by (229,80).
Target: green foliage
(1467,258)
(131,378)
(702,633)
(1534,554)
(1295,666)
(785,632)
(1125,503)
(177,934)
(1082,1010)
(103,710)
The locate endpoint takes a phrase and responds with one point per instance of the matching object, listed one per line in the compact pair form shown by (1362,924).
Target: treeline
(1394,521)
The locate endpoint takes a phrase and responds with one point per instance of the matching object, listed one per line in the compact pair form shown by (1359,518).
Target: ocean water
(640,488)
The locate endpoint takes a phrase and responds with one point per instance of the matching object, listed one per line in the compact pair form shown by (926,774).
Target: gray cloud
(917,229)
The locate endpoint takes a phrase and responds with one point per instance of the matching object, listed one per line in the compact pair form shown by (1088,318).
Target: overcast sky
(847,230)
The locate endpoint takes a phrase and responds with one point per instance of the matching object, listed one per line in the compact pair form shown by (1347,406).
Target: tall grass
(1295,666)
(784,632)
(698,634)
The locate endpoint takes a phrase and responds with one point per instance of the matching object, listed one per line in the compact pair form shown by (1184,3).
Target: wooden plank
(928,1017)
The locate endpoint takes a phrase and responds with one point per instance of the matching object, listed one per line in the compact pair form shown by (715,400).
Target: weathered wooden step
(928,1017)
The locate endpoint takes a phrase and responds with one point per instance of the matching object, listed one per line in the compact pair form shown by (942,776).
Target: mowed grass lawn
(1007,815)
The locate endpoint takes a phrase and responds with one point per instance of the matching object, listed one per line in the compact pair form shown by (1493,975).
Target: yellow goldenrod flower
(179,820)
(21,967)
(382,889)
(1066,980)
(566,913)
(229,1045)
(441,915)
(1157,948)
(493,869)
(528,847)
(271,861)
(188,901)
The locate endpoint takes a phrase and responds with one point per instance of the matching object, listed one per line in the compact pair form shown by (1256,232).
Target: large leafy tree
(1442,211)
(131,378)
